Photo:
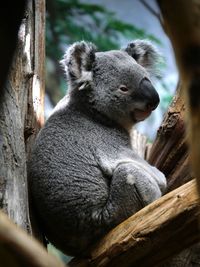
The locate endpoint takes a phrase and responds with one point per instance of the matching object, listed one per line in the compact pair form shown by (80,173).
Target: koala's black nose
(149,94)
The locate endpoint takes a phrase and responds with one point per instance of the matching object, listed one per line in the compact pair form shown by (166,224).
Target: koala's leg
(131,188)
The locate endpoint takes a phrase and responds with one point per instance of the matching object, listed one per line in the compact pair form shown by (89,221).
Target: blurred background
(110,25)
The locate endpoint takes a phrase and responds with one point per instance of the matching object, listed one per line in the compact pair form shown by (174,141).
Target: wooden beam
(167,226)
(21,111)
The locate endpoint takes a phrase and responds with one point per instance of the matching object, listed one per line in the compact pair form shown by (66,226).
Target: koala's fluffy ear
(78,61)
(145,54)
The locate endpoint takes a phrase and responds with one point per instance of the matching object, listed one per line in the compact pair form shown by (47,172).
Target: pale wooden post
(21,113)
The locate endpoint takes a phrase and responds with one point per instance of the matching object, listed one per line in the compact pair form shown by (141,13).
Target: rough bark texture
(152,234)
(21,115)
(184,32)
(23,94)
(35,112)
(169,152)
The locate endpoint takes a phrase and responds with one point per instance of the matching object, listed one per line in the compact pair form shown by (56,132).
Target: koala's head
(117,83)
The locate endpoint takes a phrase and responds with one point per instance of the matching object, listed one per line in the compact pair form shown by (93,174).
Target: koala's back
(66,182)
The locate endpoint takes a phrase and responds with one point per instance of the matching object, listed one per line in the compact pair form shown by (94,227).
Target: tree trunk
(182,24)
(21,113)
(21,116)
(169,152)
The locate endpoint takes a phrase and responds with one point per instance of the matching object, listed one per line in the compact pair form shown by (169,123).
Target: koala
(84,176)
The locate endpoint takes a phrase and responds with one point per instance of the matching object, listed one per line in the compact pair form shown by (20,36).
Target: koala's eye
(123,89)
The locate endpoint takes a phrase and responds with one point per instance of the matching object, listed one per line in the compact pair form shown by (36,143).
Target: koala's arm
(134,184)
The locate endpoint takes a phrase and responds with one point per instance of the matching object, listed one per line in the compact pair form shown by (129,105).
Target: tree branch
(169,152)
(19,249)
(169,221)
(152,11)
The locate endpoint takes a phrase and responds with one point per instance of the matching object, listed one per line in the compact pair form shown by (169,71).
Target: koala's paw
(143,181)
(160,179)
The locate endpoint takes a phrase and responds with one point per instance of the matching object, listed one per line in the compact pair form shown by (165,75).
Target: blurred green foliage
(69,21)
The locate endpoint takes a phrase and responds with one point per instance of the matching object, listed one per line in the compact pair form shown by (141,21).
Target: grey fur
(85,178)
(146,55)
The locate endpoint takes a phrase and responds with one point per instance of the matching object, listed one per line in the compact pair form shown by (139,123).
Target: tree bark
(184,32)
(151,235)
(21,116)
(169,152)
(21,113)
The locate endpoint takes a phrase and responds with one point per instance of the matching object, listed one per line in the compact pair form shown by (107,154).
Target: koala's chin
(140,115)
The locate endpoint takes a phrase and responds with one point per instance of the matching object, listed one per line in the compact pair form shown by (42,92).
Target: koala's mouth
(140,115)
